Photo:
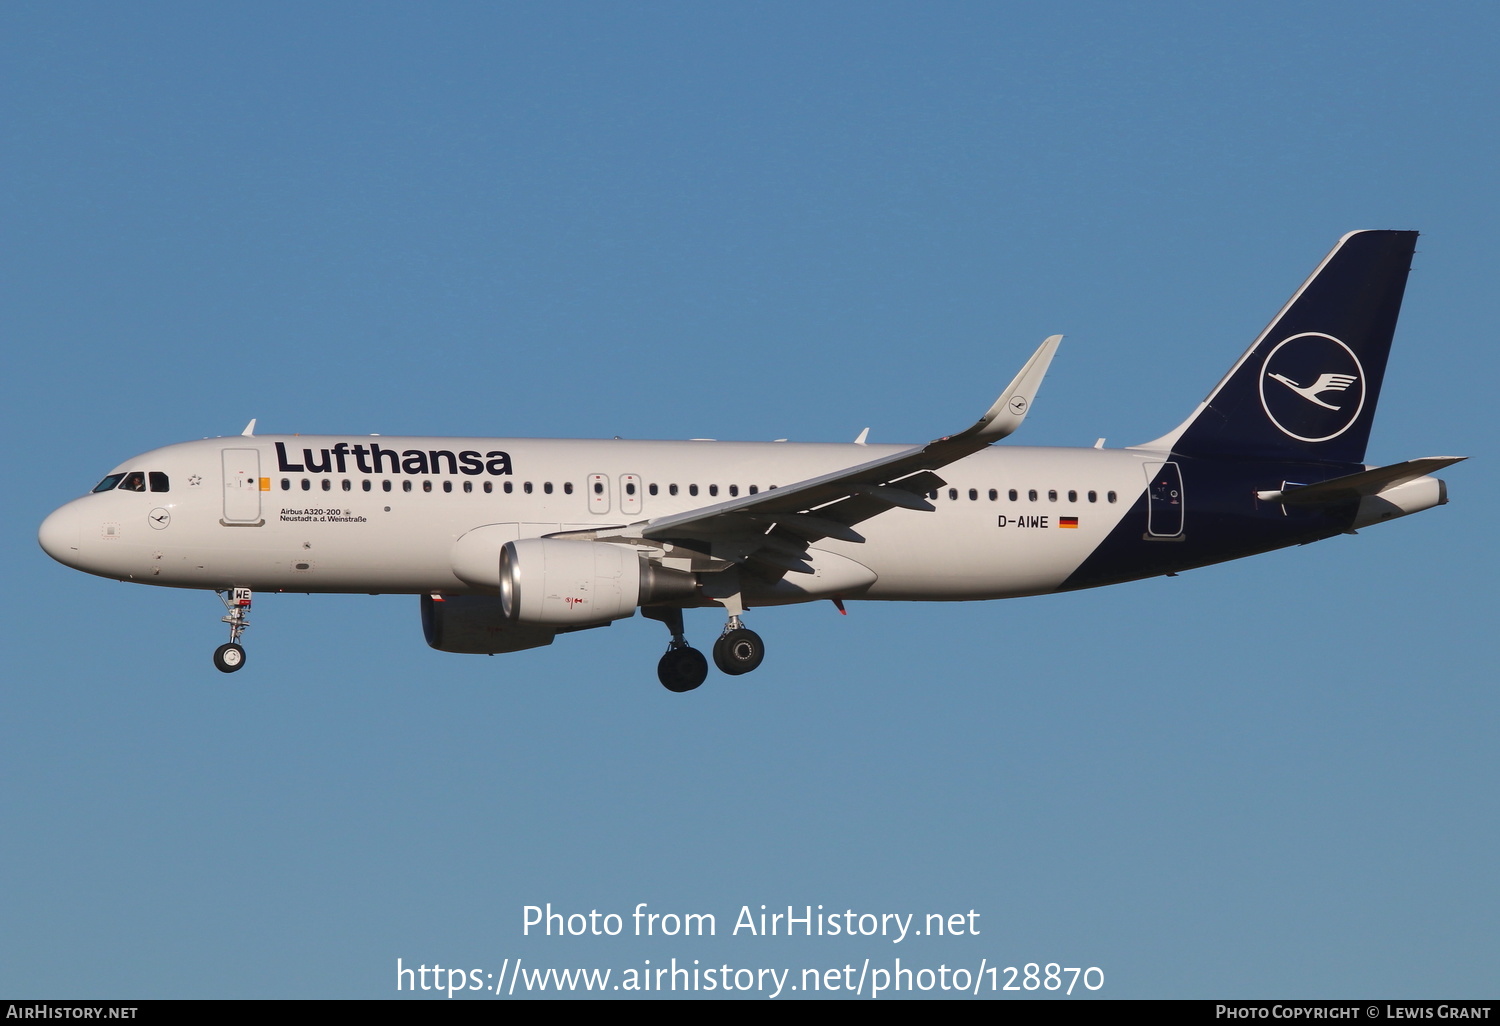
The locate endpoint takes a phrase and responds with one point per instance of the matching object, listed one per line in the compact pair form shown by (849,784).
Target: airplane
(511,542)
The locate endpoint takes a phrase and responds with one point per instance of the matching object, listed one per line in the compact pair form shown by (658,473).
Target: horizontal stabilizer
(1357,486)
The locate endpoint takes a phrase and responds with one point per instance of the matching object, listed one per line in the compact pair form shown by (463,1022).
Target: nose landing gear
(230,657)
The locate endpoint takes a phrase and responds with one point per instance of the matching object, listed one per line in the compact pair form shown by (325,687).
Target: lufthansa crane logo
(1312,387)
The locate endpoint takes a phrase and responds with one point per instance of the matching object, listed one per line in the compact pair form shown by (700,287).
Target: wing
(771,530)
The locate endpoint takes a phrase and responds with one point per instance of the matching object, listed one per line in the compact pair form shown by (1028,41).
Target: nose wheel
(230,657)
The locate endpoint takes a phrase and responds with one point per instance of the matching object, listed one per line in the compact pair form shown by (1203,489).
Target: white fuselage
(263,513)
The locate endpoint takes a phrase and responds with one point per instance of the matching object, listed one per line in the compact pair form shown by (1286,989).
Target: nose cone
(59,535)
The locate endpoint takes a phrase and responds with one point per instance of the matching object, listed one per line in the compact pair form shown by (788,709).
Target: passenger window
(650,488)
(1014,495)
(973,494)
(159,482)
(448,486)
(385,486)
(108,483)
(365,484)
(509,487)
(598,488)
(426,486)
(327,484)
(406,486)
(568,488)
(468,486)
(671,489)
(754,490)
(994,494)
(692,489)
(286,485)
(306,485)
(1093,496)
(1031,495)
(1072,496)
(734,489)
(952,493)
(713,489)
(1110,496)
(526,487)
(1052,495)
(489,486)
(547,487)
(348,485)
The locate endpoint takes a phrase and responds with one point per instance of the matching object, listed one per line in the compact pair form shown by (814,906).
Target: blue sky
(1270,778)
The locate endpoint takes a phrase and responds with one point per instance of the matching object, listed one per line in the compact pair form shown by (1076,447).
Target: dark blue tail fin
(1307,388)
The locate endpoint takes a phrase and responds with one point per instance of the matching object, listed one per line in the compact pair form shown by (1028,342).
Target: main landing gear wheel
(682,669)
(738,651)
(229,658)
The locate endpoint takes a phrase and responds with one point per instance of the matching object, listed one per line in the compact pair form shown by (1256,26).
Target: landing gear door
(242,486)
(1164,510)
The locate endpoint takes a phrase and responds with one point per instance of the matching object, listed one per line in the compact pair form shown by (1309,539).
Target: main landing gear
(231,657)
(683,668)
(739,649)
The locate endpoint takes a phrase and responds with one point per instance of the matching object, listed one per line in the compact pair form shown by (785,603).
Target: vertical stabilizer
(1307,387)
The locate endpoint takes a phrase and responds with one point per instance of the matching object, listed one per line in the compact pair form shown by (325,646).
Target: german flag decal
(1067,521)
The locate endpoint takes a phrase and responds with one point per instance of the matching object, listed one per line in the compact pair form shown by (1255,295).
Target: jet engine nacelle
(477,625)
(563,583)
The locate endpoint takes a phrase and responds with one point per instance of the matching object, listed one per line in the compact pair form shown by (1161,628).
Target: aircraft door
(630,493)
(242,486)
(598,493)
(1164,512)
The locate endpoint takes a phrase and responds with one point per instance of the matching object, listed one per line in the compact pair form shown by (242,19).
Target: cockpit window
(159,482)
(108,483)
(135,481)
